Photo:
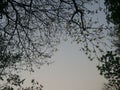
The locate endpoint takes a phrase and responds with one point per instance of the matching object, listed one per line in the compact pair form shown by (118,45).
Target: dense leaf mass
(14,82)
(110,68)
(113,13)
(110,63)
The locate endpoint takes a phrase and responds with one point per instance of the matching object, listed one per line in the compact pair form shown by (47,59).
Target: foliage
(112,15)
(14,82)
(113,11)
(110,68)
(109,87)
(110,63)
(31,29)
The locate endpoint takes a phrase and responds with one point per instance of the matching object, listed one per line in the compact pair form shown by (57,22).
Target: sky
(72,70)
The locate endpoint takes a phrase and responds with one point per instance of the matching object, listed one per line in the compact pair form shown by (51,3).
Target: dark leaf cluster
(110,68)
(14,82)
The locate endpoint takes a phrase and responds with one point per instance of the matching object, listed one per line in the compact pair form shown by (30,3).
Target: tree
(112,15)
(110,68)
(109,87)
(31,29)
(113,11)
(110,62)
(14,82)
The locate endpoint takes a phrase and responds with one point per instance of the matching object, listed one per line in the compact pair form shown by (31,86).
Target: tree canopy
(110,68)
(110,62)
(31,29)
(14,82)
(113,11)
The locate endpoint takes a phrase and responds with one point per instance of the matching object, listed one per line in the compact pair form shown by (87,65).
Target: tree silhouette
(31,29)
(109,87)
(14,82)
(110,68)
(113,11)
(110,63)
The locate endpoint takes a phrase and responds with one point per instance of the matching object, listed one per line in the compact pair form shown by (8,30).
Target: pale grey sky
(70,71)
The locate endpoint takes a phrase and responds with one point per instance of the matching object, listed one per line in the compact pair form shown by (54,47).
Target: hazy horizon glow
(71,70)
